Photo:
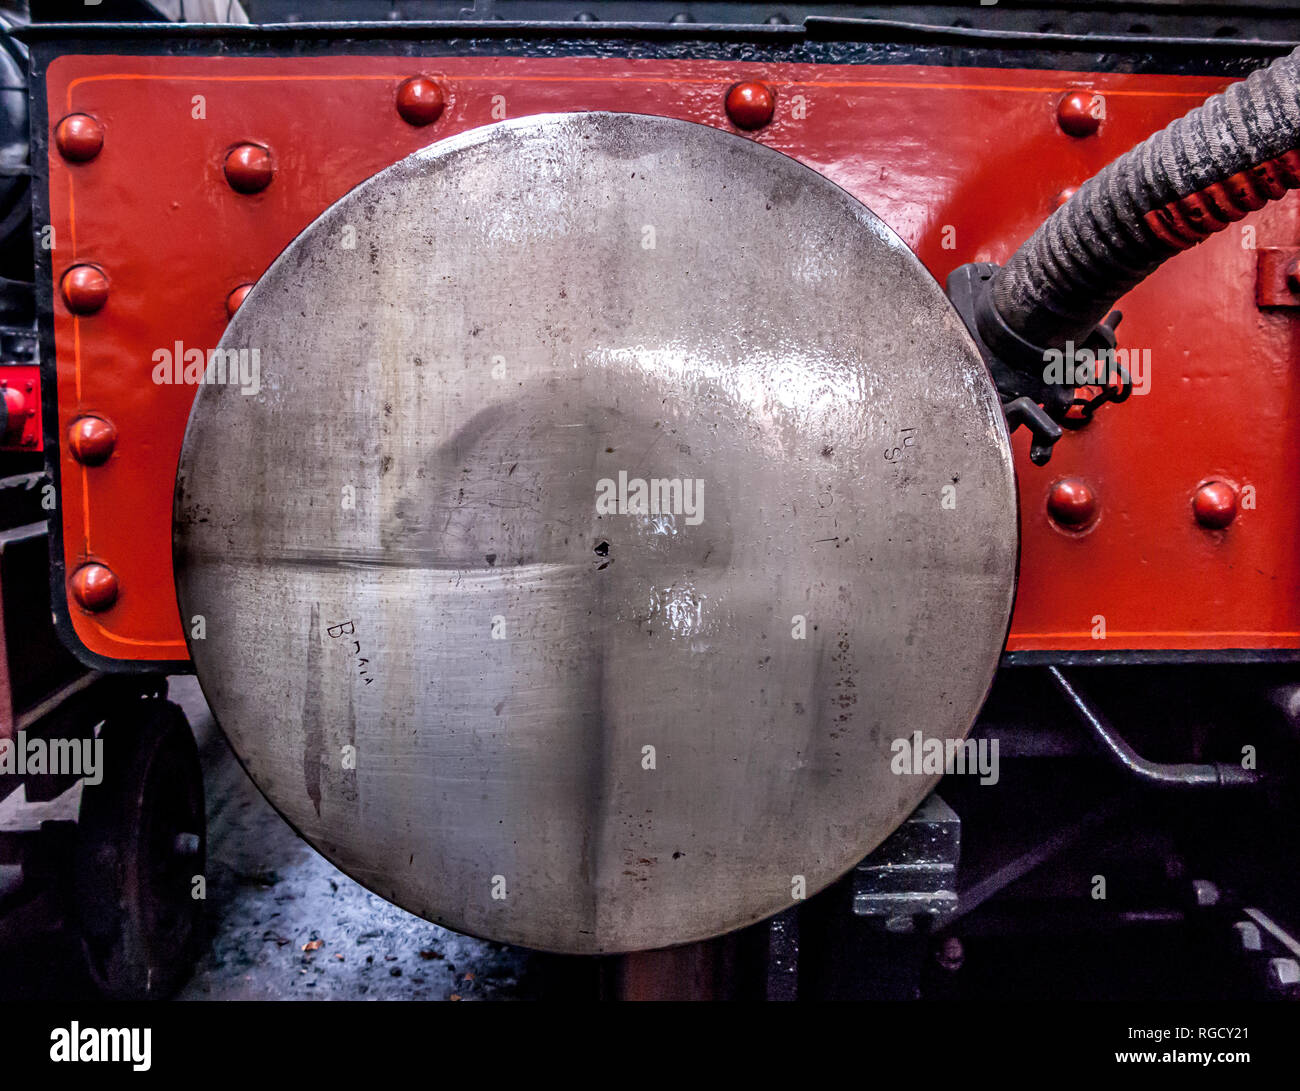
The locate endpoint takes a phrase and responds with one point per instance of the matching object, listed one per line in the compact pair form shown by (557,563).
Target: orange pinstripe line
(1173,633)
(113,637)
(679,80)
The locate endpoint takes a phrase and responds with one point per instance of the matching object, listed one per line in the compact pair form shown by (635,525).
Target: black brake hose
(1223,160)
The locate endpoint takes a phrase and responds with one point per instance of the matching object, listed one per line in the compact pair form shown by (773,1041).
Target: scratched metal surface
(470,342)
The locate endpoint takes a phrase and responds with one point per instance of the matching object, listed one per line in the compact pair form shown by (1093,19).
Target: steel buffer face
(600,498)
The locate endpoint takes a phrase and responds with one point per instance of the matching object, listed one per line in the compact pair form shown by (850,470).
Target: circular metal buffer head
(577,549)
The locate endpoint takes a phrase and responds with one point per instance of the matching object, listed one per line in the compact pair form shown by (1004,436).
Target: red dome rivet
(1078,113)
(1215,505)
(94,587)
(85,289)
(750,105)
(249,168)
(420,101)
(235,298)
(79,137)
(1071,503)
(91,440)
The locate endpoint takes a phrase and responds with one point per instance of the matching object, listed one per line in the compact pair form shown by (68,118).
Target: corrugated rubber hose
(1210,168)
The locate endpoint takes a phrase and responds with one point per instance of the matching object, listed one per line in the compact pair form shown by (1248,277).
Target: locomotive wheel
(141,840)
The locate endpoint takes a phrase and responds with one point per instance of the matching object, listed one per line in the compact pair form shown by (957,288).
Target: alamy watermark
(656,496)
(23,756)
(217,367)
(115,1045)
(1076,365)
(921,756)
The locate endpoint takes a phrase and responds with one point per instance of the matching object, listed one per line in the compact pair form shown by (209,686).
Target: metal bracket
(1019,369)
(1277,276)
(913,874)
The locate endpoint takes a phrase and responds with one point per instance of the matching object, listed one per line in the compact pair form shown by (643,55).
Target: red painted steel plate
(962,163)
